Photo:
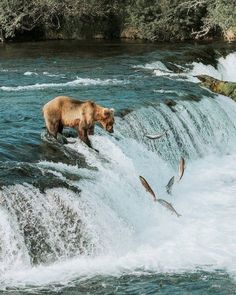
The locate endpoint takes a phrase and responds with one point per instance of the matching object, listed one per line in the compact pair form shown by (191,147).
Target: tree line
(155,20)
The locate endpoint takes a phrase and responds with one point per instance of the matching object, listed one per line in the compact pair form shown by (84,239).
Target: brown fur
(64,111)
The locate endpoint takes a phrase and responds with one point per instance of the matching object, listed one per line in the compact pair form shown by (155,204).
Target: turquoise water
(76,222)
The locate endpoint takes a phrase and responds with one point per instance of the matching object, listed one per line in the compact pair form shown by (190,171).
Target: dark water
(43,183)
(196,283)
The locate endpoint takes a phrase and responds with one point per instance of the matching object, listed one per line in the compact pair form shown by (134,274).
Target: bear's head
(107,119)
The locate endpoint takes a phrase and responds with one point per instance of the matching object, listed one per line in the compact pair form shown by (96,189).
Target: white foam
(225,70)
(159,69)
(159,72)
(153,66)
(165,91)
(136,234)
(131,233)
(28,73)
(54,75)
(74,83)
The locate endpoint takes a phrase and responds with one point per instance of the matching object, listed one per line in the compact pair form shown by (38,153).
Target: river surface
(74,221)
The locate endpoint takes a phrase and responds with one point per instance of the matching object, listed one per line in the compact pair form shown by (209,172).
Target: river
(74,221)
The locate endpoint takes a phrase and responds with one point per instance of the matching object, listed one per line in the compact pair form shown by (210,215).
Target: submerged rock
(222,87)
(124,112)
(171,104)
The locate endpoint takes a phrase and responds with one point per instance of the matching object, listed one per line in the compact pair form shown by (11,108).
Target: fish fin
(169,190)
(169,185)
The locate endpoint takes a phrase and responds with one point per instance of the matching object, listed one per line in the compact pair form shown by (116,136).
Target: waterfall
(195,128)
(98,219)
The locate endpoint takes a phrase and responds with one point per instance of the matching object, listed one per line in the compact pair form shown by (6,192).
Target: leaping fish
(147,187)
(168,206)
(157,136)
(169,185)
(181,168)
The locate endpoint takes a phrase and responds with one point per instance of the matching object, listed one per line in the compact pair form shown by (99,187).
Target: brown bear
(64,111)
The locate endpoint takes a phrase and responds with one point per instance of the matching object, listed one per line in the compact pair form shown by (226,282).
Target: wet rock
(124,112)
(61,139)
(222,87)
(40,177)
(171,104)
(192,97)
(174,68)
(69,132)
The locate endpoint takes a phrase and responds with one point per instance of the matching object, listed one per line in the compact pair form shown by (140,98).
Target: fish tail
(168,190)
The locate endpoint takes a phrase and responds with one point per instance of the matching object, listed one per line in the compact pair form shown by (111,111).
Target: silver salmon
(168,206)
(181,168)
(156,136)
(169,185)
(147,187)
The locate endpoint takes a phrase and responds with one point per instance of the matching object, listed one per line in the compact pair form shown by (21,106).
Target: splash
(113,226)
(157,65)
(225,70)
(28,73)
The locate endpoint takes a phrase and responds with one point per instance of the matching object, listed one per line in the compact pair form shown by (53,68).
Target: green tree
(151,19)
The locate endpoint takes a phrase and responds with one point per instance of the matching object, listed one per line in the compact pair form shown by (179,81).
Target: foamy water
(135,233)
(128,230)
(74,83)
(110,225)
(225,70)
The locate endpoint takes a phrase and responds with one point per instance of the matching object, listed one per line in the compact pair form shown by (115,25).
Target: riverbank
(126,34)
(163,20)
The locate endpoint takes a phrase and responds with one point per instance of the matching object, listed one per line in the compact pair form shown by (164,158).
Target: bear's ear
(112,111)
(106,113)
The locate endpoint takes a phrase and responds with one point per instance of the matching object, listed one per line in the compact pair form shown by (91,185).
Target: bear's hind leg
(60,137)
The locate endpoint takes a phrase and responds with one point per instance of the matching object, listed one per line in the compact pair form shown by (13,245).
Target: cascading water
(194,128)
(102,221)
(225,68)
(113,216)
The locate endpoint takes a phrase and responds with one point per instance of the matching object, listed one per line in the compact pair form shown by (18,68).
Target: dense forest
(155,20)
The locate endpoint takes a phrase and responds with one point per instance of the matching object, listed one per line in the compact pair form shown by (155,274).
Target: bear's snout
(110,129)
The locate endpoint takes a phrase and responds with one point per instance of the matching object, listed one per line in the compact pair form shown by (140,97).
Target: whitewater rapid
(128,231)
(111,226)
(75,83)
(224,70)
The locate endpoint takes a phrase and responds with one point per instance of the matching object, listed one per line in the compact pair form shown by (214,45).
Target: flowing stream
(73,220)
